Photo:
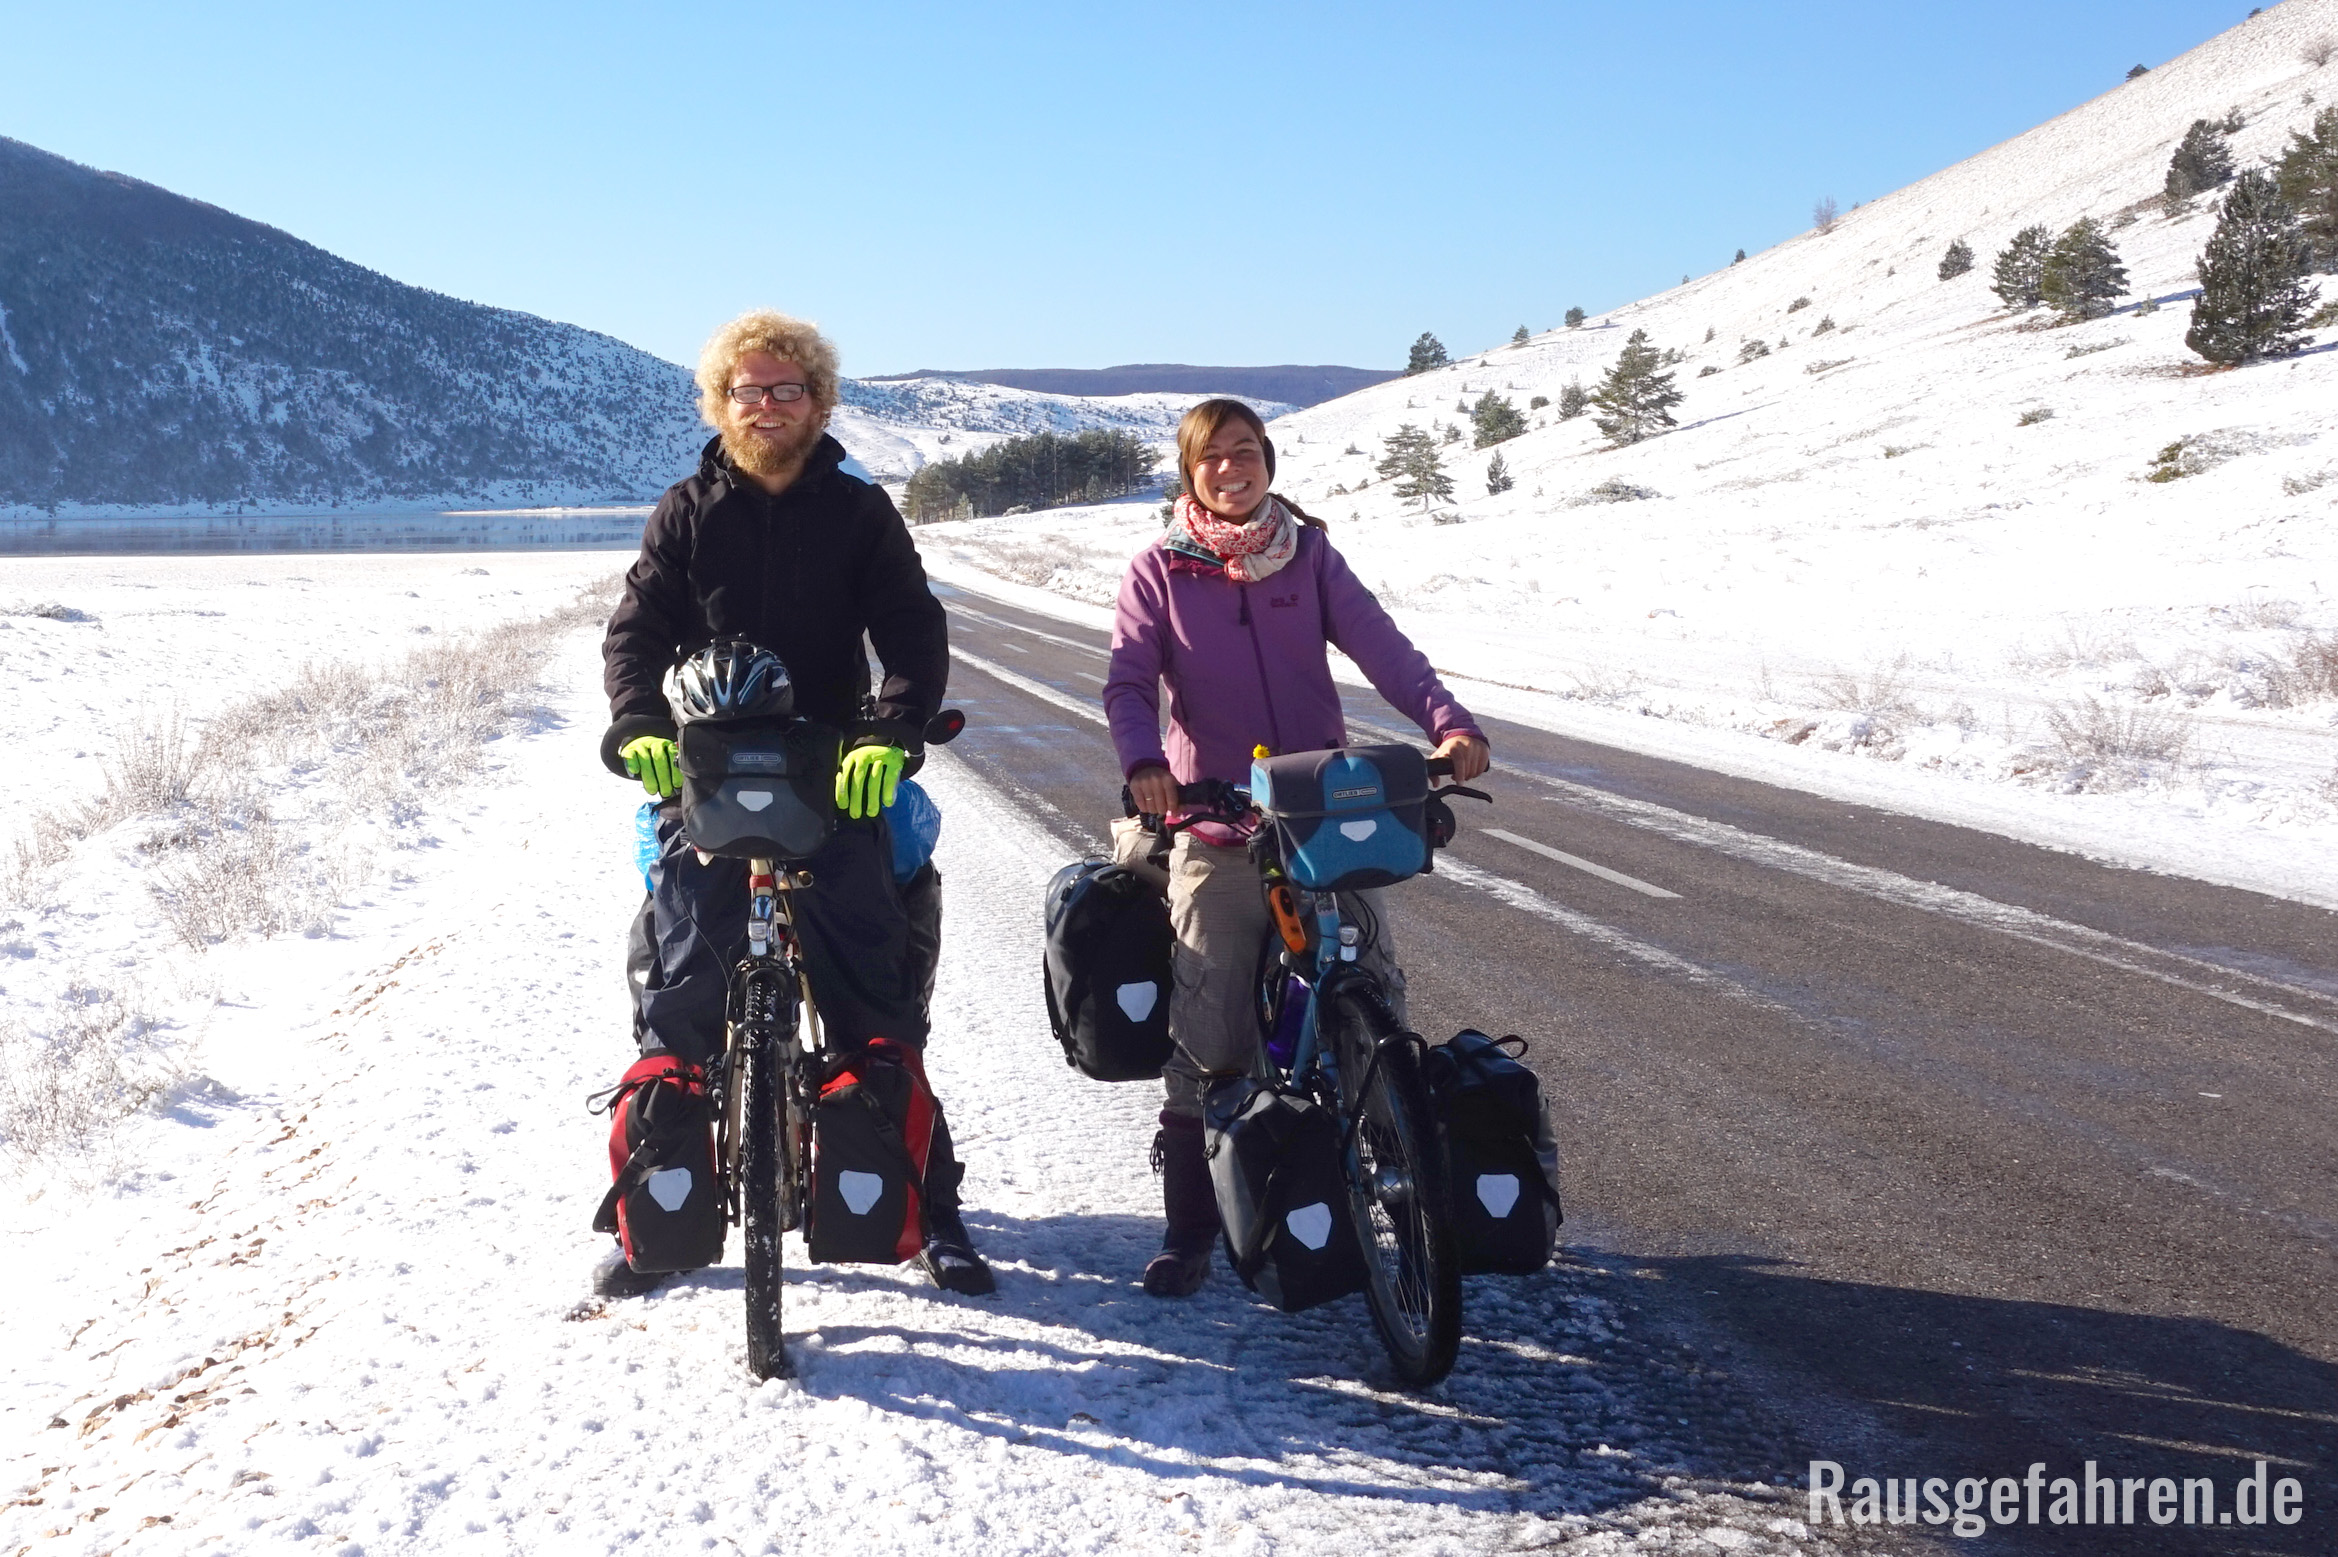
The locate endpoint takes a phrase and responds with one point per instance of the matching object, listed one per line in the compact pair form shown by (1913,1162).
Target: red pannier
(872,1132)
(666,1203)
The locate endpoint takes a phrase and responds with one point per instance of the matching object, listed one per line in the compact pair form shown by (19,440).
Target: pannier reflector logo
(1137,1000)
(1357,832)
(1311,1225)
(669,1187)
(860,1190)
(1497,1192)
(755,799)
(1353,794)
(760,761)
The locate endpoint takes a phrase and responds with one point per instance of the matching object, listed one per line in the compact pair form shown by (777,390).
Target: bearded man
(774,541)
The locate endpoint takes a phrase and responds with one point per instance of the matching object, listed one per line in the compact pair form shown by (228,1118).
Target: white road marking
(1089,675)
(2023,924)
(1578,863)
(983,616)
(1022,683)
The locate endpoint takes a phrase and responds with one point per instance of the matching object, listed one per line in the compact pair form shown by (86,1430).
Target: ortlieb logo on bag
(1283,1201)
(1106,963)
(1504,1159)
(872,1131)
(758,789)
(1346,819)
(665,1202)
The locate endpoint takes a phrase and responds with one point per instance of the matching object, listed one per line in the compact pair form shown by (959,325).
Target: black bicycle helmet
(730,679)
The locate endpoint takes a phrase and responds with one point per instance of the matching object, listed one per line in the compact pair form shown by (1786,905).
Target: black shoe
(1178,1271)
(615,1277)
(949,1256)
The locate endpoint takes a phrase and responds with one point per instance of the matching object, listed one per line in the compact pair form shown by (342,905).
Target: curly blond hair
(789,339)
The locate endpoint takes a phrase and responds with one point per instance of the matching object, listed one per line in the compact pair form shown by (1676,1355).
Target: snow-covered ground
(1865,561)
(895,426)
(324,1290)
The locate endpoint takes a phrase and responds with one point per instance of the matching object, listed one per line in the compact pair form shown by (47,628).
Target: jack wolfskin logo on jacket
(1282,600)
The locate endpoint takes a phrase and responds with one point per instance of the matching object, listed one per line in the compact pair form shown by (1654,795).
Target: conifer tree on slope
(1412,463)
(2254,298)
(1498,477)
(1428,352)
(2309,185)
(1956,261)
(1637,396)
(2082,277)
(1495,420)
(2021,267)
(2201,162)
(1521,337)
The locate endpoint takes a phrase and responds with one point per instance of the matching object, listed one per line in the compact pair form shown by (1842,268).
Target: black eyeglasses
(756,394)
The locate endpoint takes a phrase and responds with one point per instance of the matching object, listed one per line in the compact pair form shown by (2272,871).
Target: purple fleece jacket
(1246,663)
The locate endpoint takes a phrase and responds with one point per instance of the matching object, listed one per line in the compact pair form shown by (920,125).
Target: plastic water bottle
(645,839)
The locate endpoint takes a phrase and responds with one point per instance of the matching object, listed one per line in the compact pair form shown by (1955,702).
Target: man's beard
(772,453)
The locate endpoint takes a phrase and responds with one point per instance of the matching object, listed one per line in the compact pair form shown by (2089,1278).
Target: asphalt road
(1958,1153)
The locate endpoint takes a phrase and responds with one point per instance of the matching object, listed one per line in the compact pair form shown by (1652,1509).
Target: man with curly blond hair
(777,539)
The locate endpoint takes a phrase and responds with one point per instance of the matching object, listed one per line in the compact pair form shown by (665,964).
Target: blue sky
(1058,185)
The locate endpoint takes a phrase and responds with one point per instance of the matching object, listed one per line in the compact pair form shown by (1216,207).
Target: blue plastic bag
(916,824)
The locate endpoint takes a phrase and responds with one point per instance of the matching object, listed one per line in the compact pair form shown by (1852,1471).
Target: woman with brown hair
(1235,608)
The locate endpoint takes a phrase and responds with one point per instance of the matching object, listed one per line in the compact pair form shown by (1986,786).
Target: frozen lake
(552,529)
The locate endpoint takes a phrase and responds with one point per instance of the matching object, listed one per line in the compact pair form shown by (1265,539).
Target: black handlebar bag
(1349,818)
(758,789)
(1275,1166)
(1106,961)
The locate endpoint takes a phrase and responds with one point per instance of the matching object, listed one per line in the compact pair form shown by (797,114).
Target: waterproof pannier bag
(1503,1158)
(665,1203)
(872,1131)
(1106,961)
(1274,1162)
(1349,818)
(758,789)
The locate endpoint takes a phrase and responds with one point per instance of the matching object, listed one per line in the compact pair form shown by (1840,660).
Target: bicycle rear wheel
(1397,1181)
(761,1142)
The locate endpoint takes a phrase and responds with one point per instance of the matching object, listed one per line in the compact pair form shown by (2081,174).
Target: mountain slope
(1286,382)
(156,350)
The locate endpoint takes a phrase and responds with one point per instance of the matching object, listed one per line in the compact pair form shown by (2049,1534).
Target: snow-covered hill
(1920,528)
(896,425)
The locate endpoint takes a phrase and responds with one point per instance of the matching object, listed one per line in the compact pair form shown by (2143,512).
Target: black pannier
(1503,1156)
(1106,963)
(665,1203)
(1274,1162)
(872,1137)
(1349,818)
(759,788)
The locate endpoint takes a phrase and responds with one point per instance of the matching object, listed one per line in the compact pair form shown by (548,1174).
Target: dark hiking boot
(615,1277)
(1191,1206)
(949,1257)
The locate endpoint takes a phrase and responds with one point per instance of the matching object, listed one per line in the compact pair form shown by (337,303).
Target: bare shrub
(2319,51)
(97,1061)
(243,874)
(2308,674)
(1615,489)
(1878,703)
(2105,748)
(2034,415)
(155,766)
(1825,214)
(48,609)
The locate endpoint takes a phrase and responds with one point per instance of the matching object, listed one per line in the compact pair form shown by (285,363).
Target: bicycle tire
(761,1141)
(1397,1182)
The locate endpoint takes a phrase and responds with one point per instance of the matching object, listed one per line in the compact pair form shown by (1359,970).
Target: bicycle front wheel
(1397,1182)
(762,1139)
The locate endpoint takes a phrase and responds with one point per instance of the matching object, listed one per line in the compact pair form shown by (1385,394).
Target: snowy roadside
(333,1301)
(2249,807)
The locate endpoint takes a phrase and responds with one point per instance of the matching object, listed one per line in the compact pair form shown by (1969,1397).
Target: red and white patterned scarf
(1251,551)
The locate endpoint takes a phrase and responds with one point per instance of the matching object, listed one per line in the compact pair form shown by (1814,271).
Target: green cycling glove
(867,778)
(650,758)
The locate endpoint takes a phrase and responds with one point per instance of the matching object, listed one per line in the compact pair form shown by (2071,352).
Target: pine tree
(1956,261)
(1521,337)
(2082,277)
(1575,317)
(2254,298)
(1498,477)
(2309,185)
(2020,267)
(1495,420)
(1572,401)
(1740,258)
(1412,463)
(2201,162)
(1637,395)
(1428,353)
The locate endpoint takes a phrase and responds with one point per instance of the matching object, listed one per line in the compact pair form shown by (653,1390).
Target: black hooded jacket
(804,574)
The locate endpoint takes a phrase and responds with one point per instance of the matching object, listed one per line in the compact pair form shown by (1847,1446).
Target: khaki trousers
(1217,910)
